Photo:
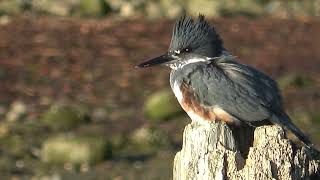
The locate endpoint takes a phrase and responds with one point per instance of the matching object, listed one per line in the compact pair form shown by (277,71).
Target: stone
(127,10)
(161,106)
(164,8)
(12,7)
(75,150)
(93,8)
(4,129)
(207,7)
(153,10)
(172,8)
(249,8)
(17,110)
(59,8)
(146,141)
(99,114)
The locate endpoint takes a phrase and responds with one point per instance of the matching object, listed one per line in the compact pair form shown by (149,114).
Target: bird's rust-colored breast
(190,103)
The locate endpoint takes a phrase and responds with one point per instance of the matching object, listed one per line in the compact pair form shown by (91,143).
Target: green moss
(11,7)
(14,145)
(161,106)
(146,141)
(93,7)
(63,117)
(75,149)
(207,7)
(18,139)
(248,8)
(4,129)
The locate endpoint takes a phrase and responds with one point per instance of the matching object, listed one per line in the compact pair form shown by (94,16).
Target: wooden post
(209,151)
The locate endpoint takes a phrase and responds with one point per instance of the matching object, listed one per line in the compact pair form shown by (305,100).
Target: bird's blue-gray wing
(236,88)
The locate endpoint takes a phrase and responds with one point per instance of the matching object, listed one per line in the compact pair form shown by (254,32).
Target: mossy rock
(63,117)
(208,7)
(14,145)
(93,8)
(4,129)
(163,8)
(17,111)
(161,106)
(58,8)
(11,7)
(248,8)
(75,150)
(146,141)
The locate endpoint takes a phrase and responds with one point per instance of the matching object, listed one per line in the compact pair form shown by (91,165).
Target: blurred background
(72,105)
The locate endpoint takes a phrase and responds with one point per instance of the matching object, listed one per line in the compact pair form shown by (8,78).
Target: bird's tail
(285,121)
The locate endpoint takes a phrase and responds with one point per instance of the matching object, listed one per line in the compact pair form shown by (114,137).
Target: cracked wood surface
(209,151)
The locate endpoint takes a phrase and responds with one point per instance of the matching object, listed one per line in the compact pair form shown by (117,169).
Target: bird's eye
(184,50)
(187,49)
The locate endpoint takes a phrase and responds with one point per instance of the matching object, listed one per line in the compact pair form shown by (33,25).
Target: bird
(212,85)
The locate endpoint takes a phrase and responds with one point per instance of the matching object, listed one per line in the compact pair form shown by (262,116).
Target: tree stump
(210,151)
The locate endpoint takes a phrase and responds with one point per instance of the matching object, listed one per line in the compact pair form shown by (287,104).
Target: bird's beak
(156,61)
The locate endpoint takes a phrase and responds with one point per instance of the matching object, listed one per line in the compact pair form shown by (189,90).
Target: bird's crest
(196,35)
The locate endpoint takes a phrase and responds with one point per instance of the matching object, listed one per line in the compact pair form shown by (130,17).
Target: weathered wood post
(210,151)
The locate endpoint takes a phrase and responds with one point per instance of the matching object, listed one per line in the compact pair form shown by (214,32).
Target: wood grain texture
(210,152)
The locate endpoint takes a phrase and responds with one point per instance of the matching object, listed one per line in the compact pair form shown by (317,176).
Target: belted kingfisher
(211,85)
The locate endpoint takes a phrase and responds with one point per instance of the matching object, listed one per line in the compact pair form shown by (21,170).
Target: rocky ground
(72,105)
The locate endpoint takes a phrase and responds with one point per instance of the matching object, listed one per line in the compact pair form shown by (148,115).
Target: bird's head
(192,41)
